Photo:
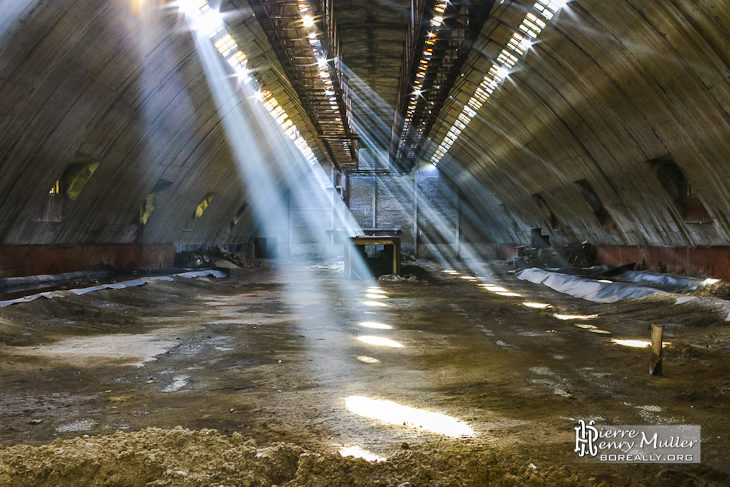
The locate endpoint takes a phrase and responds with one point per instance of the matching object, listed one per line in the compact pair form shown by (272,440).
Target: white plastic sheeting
(26,299)
(114,285)
(204,273)
(668,282)
(84,290)
(161,278)
(581,287)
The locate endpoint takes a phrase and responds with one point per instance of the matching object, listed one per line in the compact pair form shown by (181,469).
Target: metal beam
(299,49)
(443,56)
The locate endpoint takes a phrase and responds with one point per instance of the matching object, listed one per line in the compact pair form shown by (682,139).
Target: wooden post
(657,335)
(396,256)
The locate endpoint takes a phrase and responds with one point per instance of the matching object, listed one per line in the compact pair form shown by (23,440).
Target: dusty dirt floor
(263,377)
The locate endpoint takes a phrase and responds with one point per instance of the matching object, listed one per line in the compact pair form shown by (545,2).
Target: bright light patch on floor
(367,360)
(591,328)
(635,343)
(587,327)
(376,290)
(393,413)
(509,293)
(575,317)
(469,278)
(375,304)
(450,271)
(375,296)
(536,305)
(606,281)
(709,282)
(357,452)
(632,343)
(377,326)
(379,341)
(495,289)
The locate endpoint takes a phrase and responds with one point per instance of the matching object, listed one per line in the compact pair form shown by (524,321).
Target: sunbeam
(372,118)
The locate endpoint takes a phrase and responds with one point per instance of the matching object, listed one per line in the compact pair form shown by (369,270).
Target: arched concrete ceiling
(124,86)
(607,87)
(372,35)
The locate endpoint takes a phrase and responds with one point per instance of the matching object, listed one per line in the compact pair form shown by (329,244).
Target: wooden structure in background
(394,242)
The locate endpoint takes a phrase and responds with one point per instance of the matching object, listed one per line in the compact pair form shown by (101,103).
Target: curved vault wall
(607,87)
(126,89)
(610,86)
(108,82)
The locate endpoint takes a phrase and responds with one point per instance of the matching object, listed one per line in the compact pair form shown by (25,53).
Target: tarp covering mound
(581,287)
(217,273)
(667,282)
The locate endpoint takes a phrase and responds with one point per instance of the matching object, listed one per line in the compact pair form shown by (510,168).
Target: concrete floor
(278,356)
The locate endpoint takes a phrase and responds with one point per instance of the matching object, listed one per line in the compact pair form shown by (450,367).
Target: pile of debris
(397,278)
(540,254)
(214,257)
(184,458)
(528,257)
(408,273)
(719,290)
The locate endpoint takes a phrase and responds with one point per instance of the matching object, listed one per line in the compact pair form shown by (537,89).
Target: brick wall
(29,260)
(694,261)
